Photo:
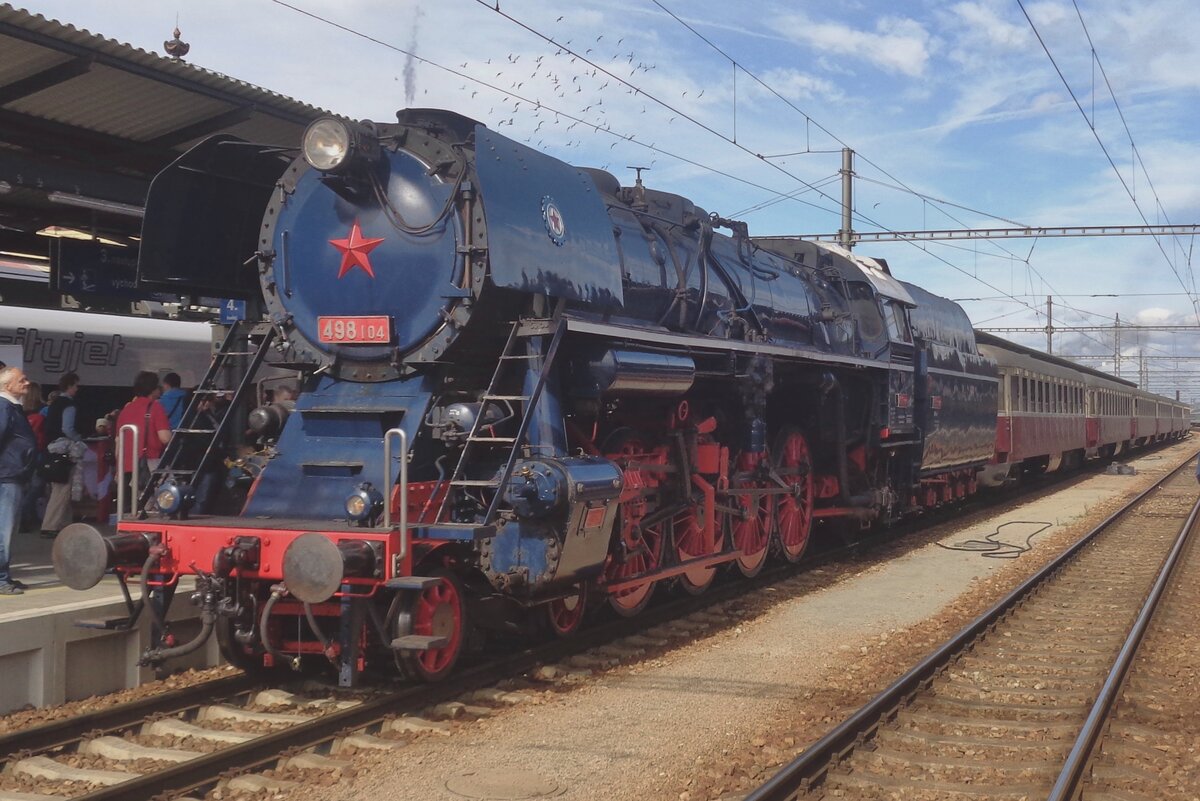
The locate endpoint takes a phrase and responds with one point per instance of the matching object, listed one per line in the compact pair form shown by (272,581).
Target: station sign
(232,311)
(85,267)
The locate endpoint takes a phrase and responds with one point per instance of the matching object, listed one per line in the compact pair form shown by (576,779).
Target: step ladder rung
(419,642)
(412,583)
(239,353)
(505,397)
(521,356)
(467,482)
(193,431)
(491,439)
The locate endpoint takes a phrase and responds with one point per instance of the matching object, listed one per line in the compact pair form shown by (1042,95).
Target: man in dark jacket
(18,449)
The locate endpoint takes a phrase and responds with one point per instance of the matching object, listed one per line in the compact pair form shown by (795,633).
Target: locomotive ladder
(509,447)
(178,459)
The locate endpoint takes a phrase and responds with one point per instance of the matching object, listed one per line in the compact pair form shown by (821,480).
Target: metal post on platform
(121,488)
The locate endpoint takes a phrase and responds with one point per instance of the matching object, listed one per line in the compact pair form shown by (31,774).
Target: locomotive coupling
(82,555)
(314,566)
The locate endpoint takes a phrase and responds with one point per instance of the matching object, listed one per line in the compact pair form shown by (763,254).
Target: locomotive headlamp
(332,145)
(172,497)
(364,503)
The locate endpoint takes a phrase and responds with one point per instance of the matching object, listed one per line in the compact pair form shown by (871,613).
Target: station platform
(46,659)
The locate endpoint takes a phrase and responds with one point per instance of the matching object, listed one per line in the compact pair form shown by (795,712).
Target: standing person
(97,469)
(173,400)
(61,436)
(18,448)
(154,431)
(30,515)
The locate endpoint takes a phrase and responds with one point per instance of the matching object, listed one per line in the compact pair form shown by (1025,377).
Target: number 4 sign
(232,311)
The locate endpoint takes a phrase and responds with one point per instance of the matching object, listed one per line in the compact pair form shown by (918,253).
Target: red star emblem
(354,250)
(555,220)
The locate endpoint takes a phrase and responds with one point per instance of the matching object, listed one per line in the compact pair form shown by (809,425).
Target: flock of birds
(566,91)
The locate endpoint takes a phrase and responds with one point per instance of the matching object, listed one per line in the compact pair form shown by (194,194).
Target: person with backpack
(65,447)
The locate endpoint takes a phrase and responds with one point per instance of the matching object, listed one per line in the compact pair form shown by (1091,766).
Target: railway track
(187,741)
(1150,746)
(128,748)
(1014,706)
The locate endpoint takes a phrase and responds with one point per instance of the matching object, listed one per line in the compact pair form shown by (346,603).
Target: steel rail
(265,751)
(58,733)
(262,752)
(1067,784)
(811,766)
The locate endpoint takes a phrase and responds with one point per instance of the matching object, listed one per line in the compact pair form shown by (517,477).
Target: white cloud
(896,45)
(985,24)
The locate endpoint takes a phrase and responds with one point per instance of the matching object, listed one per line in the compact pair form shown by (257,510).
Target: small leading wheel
(565,615)
(437,611)
(751,529)
(794,513)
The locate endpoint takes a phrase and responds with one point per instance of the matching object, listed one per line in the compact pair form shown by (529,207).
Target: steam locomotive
(529,390)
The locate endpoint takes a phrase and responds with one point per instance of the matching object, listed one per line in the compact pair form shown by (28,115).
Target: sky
(957,115)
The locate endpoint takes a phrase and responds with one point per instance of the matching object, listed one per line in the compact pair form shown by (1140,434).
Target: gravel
(717,715)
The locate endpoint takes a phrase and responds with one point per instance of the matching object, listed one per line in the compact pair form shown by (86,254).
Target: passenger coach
(1055,413)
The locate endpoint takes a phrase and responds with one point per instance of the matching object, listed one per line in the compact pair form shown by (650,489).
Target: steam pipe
(159,623)
(277,592)
(208,620)
(315,627)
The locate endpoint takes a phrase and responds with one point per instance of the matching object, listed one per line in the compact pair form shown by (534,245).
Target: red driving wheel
(794,512)
(751,529)
(641,549)
(688,530)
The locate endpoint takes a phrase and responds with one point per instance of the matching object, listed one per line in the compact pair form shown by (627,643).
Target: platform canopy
(86,122)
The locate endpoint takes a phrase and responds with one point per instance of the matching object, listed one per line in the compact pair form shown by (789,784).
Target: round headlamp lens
(326,144)
(168,498)
(357,506)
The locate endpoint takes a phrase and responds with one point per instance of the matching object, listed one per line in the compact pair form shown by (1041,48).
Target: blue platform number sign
(232,311)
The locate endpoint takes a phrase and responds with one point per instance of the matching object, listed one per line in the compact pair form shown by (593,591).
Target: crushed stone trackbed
(716,715)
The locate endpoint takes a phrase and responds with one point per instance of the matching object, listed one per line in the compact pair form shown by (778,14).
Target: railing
(402,435)
(120,471)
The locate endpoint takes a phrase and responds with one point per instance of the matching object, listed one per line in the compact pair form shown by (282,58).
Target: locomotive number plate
(355,330)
